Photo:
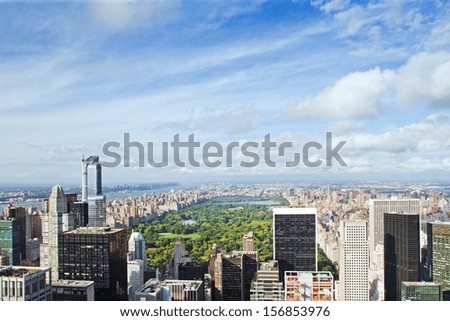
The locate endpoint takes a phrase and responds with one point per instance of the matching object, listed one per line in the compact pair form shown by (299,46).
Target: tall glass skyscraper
(294,239)
(401,252)
(438,258)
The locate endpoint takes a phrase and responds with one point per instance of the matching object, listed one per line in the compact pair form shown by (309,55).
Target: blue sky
(74,75)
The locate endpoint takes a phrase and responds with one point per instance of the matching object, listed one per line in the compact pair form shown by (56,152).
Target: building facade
(438,257)
(309,286)
(69,290)
(20,283)
(234,274)
(135,272)
(421,291)
(294,239)
(267,285)
(401,252)
(55,222)
(353,261)
(10,240)
(137,248)
(99,255)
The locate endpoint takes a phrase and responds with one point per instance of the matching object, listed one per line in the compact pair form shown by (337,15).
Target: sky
(75,75)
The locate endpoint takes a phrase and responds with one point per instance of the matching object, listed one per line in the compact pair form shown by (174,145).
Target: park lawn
(193,236)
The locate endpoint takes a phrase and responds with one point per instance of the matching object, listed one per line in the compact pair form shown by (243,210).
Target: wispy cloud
(121,15)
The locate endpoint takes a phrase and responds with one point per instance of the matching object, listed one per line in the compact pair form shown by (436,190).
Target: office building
(70,290)
(170,290)
(401,252)
(195,271)
(55,222)
(152,290)
(179,256)
(137,248)
(377,208)
(294,239)
(10,240)
(353,261)
(20,215)
(33,251)
(96,201)
(80,212)
(438,255)
(309,286)
(421,291)
(267,285)
(99,255)
(247,242)
(135,271)
(234,274)
(20,283)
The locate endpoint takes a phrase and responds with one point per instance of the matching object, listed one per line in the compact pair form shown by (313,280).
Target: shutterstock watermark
(214,154)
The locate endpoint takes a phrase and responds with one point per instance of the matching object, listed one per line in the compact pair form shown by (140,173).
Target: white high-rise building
(136,248)
(55,222)
(354,261)
(135,270)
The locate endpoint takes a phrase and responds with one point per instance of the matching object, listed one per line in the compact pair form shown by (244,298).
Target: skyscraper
(377,208)
(99,255)
(247,242)
(178,255)
(20,215)
(135,272)
(136,248)
(294,239)
(96,201)
(401,252)
(80,212)
(55,222)
(267,285)
(10,240)
(438,259)
(234,274)
(354,261)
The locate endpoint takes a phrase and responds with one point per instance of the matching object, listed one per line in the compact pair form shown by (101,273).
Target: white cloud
(121,15)
(432,134)
(356,95)
(331,5)
(422,79)
(425,77)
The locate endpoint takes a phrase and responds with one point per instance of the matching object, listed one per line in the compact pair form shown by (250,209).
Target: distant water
(112,196)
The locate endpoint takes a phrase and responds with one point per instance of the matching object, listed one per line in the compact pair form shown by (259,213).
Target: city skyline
(75,75)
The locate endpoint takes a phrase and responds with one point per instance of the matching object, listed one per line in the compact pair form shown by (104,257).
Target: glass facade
(401,252)
(10,240)
(295,239)
(421,291)
(99,255)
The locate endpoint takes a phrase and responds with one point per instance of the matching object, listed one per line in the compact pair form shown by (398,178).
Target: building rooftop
(19,271)
(72,283)
(154,285)
(94,230)
(422,283)
(294,210)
